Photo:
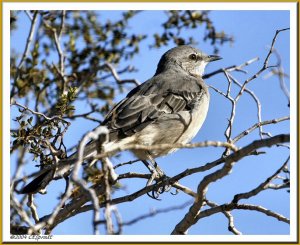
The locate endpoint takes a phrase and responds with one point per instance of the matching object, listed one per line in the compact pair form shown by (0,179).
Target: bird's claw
(156,178)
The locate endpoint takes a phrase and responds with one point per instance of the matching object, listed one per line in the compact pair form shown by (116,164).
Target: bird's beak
(211,58)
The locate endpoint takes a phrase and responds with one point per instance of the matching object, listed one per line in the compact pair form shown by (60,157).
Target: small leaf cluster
(36,135)
(64,105)
(180,21)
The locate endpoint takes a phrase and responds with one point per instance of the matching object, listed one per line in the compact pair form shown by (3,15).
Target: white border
(157,238)
(292,7)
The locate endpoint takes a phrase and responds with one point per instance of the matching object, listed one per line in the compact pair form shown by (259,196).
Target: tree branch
(264,185)
(191,216)
(74,207)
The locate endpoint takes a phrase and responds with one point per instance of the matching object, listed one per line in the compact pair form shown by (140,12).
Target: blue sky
(253,32)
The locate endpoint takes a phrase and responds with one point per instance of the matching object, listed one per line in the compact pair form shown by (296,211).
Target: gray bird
(168,108)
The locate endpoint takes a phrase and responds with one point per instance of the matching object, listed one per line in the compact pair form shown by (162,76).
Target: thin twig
(272,46)
(257,125)
(154,212)
(258,104)
(229,128)
(264,185)
(237,206)
(278,70)
(231,68)
(126,163)
(265,65)
(228,215)
(39,113)
(116,76)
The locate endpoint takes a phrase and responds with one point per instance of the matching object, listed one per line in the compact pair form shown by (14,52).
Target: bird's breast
(197,117)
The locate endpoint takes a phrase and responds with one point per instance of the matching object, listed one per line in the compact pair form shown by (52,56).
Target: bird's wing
(144,106)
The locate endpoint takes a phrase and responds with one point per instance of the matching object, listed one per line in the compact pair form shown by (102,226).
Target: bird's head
(187,58)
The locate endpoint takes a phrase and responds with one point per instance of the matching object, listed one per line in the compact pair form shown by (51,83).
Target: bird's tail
(38,183)
(63,169)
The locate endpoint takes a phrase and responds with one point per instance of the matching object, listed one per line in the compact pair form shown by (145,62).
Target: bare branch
(258,104)
(156,212)
(184,189)
(264,185)
(74,176)
(21,212)
(257,125)
(117,147)
(233,206)
(272,46)
(191,216)
(126,163)
(228,215)
(33,209)
(228,130)
(116,76)
(106,169)
(265,66)
(279,72)
(263,210)
(84,115)
(231,68)
(62,23)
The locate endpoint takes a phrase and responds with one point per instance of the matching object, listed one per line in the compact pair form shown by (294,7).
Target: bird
(168,108)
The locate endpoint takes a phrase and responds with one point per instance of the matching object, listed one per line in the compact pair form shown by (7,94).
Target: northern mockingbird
(168,108)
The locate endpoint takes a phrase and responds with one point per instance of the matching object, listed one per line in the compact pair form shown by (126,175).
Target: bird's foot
(156,179)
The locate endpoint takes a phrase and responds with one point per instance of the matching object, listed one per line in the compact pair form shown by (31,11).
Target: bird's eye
(193,57)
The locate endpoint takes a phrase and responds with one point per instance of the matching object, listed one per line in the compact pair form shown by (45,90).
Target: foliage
(178,21)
